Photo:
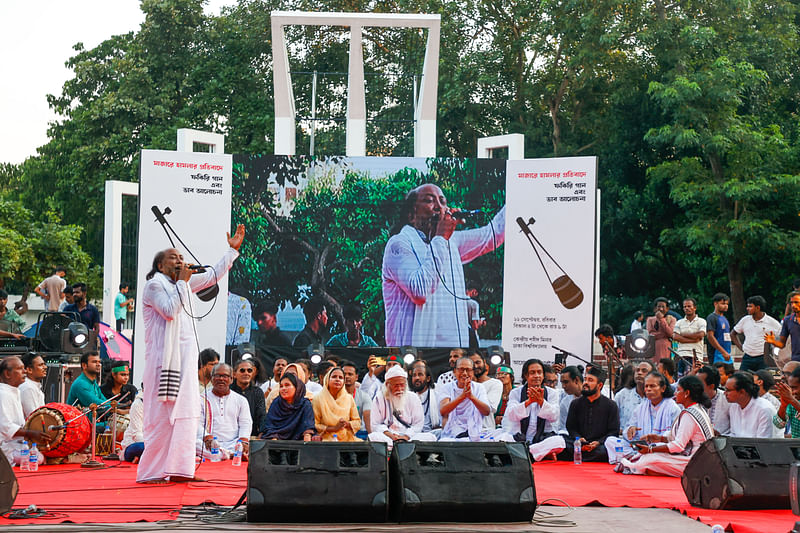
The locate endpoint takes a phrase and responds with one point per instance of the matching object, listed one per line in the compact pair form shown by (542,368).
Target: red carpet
(597,484)
(73,494)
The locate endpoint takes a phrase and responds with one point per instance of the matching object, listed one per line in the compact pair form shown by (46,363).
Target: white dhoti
(626,450)
(542,449)
(657,463)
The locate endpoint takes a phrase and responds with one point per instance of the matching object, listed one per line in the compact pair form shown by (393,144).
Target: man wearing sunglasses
(244,383)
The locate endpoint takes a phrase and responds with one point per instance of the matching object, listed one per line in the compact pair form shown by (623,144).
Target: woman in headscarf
(297,370)
(290,416)
(335,410)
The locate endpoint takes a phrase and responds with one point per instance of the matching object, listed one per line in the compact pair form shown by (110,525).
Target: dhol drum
(65,440)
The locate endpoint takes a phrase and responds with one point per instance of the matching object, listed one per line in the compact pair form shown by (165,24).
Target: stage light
(409,354)
(247,350)
(497,355)
(639,345)
(315,353)
(78,334)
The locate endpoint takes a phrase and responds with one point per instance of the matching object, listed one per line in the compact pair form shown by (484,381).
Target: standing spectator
(121,305)
(638,319)
(789,328)
(755,326)
(660,327)
(689,332)
(52,289)
(353,334)
(67,298)
(9,314)
(719,330)
(316,330)
(87,312)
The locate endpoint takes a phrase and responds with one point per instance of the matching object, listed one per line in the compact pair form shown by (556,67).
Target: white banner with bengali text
(193,192)
(550,244)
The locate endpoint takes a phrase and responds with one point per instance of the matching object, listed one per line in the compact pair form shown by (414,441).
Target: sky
(36,39)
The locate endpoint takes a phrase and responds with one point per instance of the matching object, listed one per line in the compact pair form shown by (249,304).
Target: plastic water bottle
(237,454)
(216,455)
(618,449)
(335,437)
(33,459)
(577,455)
(716,528)
(24,457)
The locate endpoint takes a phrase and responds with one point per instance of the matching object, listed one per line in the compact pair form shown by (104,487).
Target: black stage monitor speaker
(461,482)
(8,485)
(292,481)
(740,473)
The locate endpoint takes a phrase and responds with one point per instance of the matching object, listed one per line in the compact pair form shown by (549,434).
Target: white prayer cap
(396,372)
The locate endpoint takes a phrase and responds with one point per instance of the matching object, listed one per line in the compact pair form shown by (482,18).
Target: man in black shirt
(243,383)
(592,418)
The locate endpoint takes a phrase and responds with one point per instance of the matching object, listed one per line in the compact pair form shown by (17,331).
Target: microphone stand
(611,358)
(571,355)
(92,462)
(114,456)
(206,294)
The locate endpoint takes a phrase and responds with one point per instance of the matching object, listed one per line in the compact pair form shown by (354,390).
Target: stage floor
(587,498)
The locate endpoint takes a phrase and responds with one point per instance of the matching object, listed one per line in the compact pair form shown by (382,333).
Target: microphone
(159,215)
(199,269)
(55,428)
(464,215)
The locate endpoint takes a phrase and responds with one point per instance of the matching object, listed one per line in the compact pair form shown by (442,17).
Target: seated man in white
(421,382)
(532,412)
(397,412)
(463,405)
(12,422)
(750,415)
(226,416)
(654,416)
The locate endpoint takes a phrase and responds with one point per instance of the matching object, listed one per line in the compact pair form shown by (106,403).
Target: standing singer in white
(171,409)
(423,274)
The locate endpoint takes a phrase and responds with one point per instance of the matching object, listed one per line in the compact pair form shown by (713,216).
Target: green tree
(733,173)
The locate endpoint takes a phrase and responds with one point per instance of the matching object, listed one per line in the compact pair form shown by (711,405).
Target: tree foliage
(691,108)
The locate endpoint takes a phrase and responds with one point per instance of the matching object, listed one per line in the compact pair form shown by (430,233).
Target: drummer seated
(85,390)
(226,416)
(12,421)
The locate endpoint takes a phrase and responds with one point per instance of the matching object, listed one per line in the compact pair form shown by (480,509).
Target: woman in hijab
(290,416)
(335,410)
(298,371)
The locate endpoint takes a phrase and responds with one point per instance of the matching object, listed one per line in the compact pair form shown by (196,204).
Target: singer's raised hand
(236,241)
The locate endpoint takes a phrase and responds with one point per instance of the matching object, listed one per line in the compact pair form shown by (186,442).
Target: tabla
(73,438)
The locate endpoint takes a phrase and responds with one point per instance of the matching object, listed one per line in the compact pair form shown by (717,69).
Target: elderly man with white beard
(397,412)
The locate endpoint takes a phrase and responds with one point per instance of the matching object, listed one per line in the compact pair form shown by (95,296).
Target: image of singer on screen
(423,274)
